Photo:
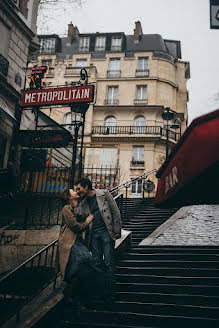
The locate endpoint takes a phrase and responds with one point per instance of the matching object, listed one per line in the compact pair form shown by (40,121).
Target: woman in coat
(71,247)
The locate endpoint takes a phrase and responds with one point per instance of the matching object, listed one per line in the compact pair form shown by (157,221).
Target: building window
(141,94)
(136,187)
(47,45)
(116,44)
(100,43)
(140,121)
(140,124)
(114,68)
(138,154)
(112,95)
(110,125)
(47,62)
(81,63)
(84,44)
(142,69)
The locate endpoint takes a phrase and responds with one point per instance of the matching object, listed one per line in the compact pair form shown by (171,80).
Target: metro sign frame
(58,96)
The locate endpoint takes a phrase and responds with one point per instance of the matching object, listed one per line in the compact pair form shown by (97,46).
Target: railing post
(126,194)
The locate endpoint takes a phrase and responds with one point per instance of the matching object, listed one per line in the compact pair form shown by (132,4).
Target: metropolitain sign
(58,96)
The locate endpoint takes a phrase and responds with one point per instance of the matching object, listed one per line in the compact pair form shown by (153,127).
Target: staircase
(142,218)
(157,286)
(161,287)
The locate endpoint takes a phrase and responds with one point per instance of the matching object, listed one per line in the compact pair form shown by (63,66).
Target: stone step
(170,271)
(157,264)
(165,288)
(167,279)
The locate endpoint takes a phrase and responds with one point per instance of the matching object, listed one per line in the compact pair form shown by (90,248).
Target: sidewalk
(191,225)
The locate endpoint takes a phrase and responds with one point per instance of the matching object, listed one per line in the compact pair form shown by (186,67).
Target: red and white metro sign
(58,96)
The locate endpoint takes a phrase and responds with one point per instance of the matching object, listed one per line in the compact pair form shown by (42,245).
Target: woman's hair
(64,196)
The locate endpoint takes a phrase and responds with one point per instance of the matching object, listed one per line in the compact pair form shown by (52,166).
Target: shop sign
(44,139)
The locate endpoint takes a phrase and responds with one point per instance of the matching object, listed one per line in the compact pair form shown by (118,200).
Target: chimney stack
(137,32)
(72,33)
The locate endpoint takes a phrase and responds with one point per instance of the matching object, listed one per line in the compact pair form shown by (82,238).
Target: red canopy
(196,155)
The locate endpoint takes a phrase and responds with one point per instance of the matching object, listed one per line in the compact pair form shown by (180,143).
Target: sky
(185,20)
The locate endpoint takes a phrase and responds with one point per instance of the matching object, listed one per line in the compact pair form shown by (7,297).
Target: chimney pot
(137,32)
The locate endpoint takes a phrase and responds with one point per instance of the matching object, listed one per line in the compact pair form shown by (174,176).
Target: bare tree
(50,10)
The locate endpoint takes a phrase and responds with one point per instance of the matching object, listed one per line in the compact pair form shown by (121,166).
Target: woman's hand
(89,218)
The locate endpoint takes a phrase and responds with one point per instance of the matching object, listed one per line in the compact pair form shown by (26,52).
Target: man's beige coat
(108,210)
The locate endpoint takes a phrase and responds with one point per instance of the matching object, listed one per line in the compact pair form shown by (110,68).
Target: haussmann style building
(136,77)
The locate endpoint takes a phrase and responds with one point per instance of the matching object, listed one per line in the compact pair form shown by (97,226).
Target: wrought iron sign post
(78,96)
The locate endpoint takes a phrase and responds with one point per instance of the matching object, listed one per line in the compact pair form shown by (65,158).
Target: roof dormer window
(116,44)
(84,44)
(100,43)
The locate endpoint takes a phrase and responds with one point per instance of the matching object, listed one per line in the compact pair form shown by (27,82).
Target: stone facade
(132,91)
(17,29)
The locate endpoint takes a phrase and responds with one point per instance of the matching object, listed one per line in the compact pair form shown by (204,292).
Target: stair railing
(127,185)
(47,258)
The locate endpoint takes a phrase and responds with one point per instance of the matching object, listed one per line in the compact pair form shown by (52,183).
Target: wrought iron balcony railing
(137,163)
(3,65)
(133,130)
(74,70)
(116,48)
(112,73)
(142,72)
(140,101)
(111,102)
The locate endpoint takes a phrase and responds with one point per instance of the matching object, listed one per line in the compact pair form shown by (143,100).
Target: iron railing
(127,185)
(112,102)
(142,73)
(148,130)
(74,70)
(37,203)
(16,287)
(137,163)
(113,73)
(116,48)
(4,64)
(140,101)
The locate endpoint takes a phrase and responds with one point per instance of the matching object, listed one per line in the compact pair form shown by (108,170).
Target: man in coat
(104,230)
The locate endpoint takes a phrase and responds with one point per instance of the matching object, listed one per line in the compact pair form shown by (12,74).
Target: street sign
(58,96)
(148,186)
(214,14)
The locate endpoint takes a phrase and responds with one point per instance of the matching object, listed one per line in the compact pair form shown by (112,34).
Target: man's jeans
(102,248)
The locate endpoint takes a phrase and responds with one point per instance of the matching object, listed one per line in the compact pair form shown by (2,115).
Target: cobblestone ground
(199,226)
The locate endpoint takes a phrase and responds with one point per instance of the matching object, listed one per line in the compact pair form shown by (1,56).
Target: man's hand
(89,218)
(117,236)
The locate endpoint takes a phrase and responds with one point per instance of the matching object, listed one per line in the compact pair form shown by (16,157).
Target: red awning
(195,153)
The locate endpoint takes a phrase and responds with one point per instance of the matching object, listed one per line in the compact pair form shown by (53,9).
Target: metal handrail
(31,259)
(129,183)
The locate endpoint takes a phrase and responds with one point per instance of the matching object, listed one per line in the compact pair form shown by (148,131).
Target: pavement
(190,225)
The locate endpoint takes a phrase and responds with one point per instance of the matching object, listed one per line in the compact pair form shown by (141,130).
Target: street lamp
(77,122)
(177,126)
(167,115)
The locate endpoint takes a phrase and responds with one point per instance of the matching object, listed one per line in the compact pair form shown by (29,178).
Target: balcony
(3,65)
(73,71)
(116,73)
(111,102)
(116,48)
(142,73)
(137,163)
(156,131)
(140,101)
